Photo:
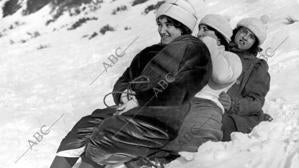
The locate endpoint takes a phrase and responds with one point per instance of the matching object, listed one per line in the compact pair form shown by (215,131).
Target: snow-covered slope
(47,74)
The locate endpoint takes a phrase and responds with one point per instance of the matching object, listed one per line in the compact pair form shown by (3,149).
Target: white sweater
(227,67)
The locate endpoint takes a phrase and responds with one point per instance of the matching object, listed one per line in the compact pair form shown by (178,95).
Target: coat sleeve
(121,85)
(254,92)
(227,66)
(194,70)
(130,73)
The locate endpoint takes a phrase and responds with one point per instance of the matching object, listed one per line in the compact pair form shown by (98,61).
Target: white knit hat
(219,23)
(180,10)
(257,26)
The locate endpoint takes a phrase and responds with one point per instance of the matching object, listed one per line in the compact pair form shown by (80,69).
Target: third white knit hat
(257,26)
(219,23)
(180,10)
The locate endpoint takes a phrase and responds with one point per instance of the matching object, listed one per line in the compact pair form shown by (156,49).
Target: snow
(41,87)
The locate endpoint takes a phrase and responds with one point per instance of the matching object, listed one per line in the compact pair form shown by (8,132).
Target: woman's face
(167,31)
(203,31)
(244,38)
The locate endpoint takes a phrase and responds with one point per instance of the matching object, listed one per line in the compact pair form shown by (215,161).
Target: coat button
(238,82)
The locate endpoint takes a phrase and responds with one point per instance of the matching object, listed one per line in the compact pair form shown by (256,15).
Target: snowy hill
(52,74)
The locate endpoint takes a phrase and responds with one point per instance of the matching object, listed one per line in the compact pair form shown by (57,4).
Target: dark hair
(220,37)
(184,29)
(254,49)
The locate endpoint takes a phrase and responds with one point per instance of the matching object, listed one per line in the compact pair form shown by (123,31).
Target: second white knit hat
(180,10)
(219,23)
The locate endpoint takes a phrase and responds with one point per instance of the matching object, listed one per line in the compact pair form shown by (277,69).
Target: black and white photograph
(149,83)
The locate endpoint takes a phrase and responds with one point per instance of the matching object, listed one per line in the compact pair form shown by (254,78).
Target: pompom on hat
(257,26)
(180,10)
(219,23)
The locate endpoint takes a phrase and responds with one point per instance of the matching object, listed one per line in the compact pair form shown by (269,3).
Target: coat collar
(243,54)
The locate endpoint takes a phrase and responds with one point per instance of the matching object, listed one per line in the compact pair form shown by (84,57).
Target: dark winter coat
(186,59)
(147,128)
(248,96)
(187,56)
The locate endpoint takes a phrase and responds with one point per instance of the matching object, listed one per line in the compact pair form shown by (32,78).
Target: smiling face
(168,32)
(244,38)
(204,30)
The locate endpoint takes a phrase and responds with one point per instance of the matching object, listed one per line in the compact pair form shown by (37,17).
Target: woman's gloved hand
(127,95)
(128,101)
